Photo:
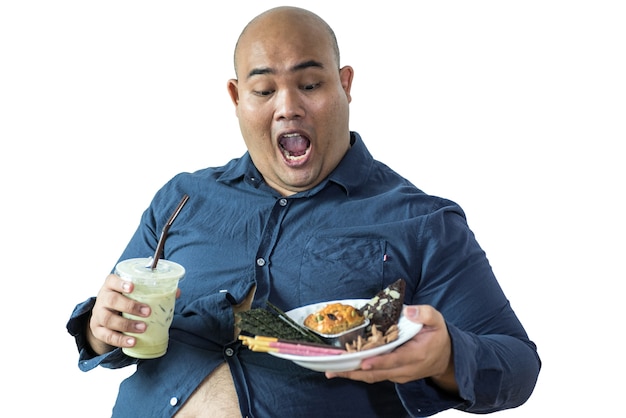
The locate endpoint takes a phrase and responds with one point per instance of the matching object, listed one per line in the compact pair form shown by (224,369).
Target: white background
(515,110)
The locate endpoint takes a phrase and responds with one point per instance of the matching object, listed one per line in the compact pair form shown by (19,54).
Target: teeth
(290,135)
(292,157)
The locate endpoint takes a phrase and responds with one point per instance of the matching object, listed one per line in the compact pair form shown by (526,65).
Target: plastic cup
(156,288)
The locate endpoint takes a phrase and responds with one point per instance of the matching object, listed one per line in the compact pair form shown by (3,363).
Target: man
(305,216)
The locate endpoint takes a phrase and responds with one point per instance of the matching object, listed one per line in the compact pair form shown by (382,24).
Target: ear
(233,91)
(346,74)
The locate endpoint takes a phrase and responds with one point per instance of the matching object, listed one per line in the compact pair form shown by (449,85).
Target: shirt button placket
(268,240)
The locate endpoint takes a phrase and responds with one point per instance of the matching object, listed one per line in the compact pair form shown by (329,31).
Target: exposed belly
(214,398)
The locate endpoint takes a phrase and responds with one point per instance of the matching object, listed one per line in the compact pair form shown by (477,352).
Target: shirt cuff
(87,359)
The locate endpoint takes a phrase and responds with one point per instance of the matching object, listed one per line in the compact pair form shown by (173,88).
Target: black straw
(166,228)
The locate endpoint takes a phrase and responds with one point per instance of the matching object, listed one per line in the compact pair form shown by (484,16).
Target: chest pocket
(341,268)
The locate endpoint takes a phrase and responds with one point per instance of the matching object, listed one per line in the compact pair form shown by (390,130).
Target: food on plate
(335,324)
(385,308)
(334,318)
(274,323)
(375,339)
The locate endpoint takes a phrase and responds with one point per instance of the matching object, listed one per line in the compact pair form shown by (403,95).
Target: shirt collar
(351,172)
(354,168)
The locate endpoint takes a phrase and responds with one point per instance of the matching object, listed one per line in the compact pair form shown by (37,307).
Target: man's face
(292,103)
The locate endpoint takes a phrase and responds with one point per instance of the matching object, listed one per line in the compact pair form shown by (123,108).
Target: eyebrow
(298,67)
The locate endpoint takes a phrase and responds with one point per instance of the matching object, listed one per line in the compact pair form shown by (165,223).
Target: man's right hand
(107,325)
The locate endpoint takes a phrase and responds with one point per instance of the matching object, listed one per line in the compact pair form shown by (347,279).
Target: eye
(263,93)
(312,86)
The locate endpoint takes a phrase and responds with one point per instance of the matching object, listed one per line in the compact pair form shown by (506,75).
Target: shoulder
(199,185)
(205,176)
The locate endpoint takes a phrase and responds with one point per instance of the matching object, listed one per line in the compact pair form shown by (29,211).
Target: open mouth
(294,146)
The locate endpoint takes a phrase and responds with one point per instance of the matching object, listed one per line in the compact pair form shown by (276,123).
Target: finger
(112,297)
(397,366)
(116,283)
(397,375)
(109,326)
(116,338)
(107,323)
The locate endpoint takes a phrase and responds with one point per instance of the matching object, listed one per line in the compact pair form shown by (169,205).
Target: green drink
(156,288)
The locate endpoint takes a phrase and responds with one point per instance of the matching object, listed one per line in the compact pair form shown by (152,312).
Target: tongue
(295,145)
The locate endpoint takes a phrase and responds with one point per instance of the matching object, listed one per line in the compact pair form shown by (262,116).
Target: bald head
(280,24)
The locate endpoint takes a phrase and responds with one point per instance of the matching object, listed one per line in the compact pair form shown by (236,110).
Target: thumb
(412,313)
(423,314)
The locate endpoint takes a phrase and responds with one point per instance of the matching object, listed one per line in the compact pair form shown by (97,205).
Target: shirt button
(229,352)
(260,262)
(173,401)
(282,202)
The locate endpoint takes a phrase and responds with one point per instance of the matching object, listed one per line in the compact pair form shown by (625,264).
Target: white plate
(348,361)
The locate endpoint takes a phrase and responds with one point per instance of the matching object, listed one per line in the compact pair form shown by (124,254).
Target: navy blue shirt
(356,232)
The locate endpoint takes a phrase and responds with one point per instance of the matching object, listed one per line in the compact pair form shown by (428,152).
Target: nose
(289,104)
